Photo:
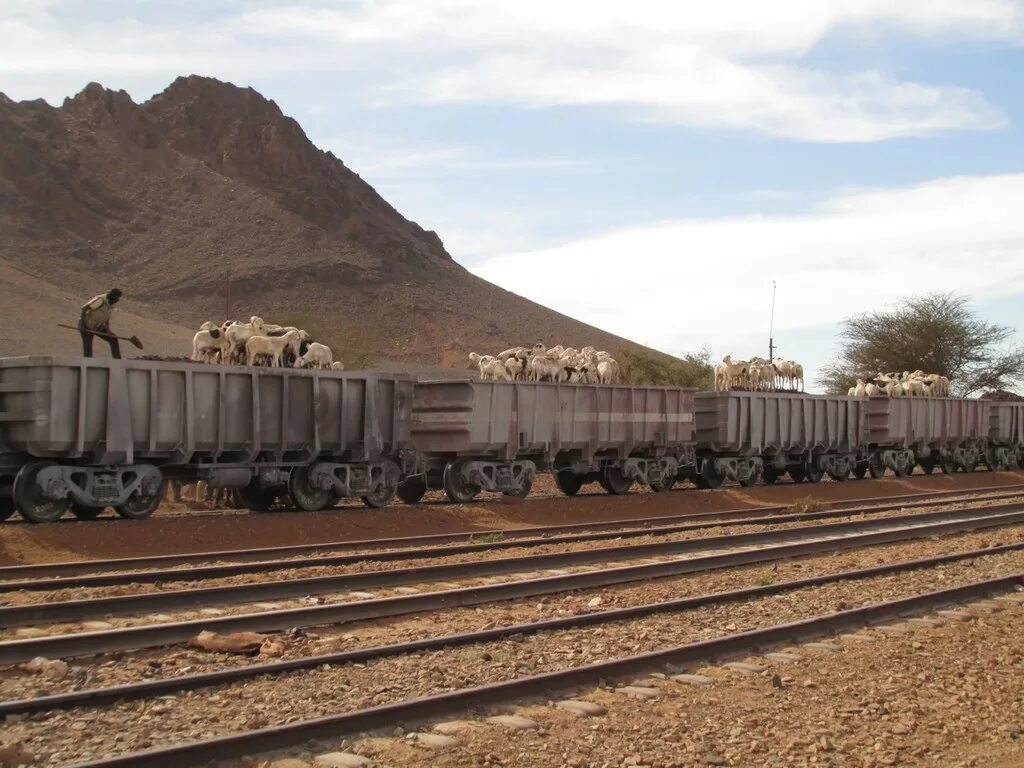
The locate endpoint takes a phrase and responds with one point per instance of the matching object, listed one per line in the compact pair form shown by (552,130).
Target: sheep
(913,388)
(861,389)
(797,376)
(607,371)
(871,389)
(730,372)
(273,347)
(510,353)
(515,367)
(209,345)
(238,334)
(317,356)
(482,362)
(493,370)
(543,368)
(337,365)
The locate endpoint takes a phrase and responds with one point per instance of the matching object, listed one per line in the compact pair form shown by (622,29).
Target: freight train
(84,434)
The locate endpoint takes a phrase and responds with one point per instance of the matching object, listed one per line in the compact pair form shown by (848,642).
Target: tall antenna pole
(227,297)
(771,328)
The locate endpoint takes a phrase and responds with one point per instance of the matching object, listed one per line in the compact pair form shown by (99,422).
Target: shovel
(134,340)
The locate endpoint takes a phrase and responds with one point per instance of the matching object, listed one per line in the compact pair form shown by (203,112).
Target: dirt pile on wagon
(165,198)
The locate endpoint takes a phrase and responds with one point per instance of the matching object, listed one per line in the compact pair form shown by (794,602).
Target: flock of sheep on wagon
(261,343)
(558,364)
(907,384)
(759,375)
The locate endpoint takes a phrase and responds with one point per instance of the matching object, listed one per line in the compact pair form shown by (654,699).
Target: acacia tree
(936,333)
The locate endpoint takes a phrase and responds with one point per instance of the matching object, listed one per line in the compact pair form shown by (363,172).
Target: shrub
(639,367)
(806,505)
(354,347)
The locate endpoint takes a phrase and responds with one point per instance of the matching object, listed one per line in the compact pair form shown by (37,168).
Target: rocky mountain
(169,198)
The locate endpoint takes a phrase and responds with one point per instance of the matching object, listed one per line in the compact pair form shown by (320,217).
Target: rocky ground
(59,737)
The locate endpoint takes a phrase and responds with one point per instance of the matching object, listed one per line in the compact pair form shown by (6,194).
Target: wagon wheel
(927,465)
(948,464)
(838,476)
(455,486)
(860,469)
(139,506)
(29,499)
(568,482)
(523,491)
(385,492)
(303,494)
(6,507)
(771,475)
(709,476)
(664,485)
(412,489)
(381,497)
(970,465)
(875,467)
(86,512)
(750,478)
(813,472)
(798,473)
(614,482)
(257,497)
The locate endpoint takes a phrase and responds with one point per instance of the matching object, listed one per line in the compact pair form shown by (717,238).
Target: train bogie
(495,436)
(1006,435)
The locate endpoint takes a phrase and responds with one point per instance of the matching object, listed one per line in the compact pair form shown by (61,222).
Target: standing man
(95,320)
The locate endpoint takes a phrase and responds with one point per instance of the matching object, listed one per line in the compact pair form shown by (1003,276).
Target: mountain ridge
(169,197)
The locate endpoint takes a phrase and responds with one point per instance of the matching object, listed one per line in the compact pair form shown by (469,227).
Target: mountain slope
(168,198)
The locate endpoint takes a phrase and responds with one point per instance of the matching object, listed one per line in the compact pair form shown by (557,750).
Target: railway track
(334,726)
(111,694)
(95,573)
(760,547)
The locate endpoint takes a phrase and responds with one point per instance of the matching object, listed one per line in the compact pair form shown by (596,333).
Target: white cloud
(681,284)
(734,63)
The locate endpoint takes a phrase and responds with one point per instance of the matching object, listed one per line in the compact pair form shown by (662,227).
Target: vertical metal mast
(771,328)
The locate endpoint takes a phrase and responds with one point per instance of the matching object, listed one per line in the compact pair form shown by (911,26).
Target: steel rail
(148,636)
(83,567)
(132,691)
(268,566)
(261,740)
(79,610)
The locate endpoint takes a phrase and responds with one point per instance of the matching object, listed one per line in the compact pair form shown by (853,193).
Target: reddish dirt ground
(204,531)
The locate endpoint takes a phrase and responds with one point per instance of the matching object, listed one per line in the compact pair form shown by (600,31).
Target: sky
(652,168)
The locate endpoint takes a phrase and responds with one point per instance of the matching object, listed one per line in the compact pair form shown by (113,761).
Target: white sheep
(317,356)
(337,365)
(238,334)
(543,368)
(515,367)
(209,345)
(273,347)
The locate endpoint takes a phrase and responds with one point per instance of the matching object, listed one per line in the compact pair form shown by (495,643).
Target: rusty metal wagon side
(483,435)
(744,435)
(931,432)
(86,433)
